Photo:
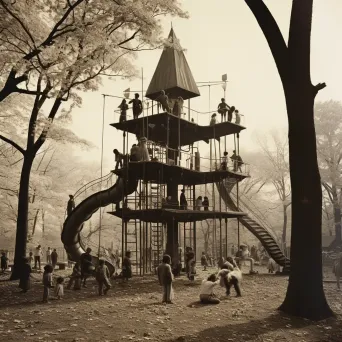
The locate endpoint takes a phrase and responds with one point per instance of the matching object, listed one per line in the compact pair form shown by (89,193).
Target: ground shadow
(279,324)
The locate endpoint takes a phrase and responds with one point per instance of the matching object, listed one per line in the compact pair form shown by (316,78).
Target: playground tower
(155,225)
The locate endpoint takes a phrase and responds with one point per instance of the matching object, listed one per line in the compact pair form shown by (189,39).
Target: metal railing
(255,213)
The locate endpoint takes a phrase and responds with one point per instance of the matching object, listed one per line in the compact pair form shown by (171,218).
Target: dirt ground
(134,313)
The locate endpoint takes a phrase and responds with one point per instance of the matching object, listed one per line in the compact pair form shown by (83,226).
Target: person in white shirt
(231,275)
(37,255)
(48,255)
(207,295)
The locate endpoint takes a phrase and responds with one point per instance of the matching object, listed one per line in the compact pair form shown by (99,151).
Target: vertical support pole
(167,138)
(226,235)
(237,203)
(179,142)
(189,110)
(141,252)
(158,237)
(184,237)
(148,242)
(100,230)
(221,238)
(126,249)
(136,246)
(122,239)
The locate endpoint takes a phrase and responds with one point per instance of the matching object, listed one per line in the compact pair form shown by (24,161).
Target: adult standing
(86,265)
(71,204)
(54,258)
(182,200)
(37,255)
(123,111)
(48,256)
(137,106)
(163,99)
(223,108)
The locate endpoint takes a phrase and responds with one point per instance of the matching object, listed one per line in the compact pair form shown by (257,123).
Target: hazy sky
(223,37)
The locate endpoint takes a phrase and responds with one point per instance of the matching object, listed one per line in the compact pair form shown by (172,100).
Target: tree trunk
(35,222)
(337,216)
(22,222)
(284,229)
(305,296)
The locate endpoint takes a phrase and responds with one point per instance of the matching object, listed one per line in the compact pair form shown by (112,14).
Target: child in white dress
(59,288)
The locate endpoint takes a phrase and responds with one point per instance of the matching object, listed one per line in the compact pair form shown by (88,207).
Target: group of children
(229,275)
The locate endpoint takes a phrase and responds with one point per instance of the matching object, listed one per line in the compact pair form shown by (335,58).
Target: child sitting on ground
(47,282)
(59,289)
(75,277)
(102,277)
(207,295)
(165,278)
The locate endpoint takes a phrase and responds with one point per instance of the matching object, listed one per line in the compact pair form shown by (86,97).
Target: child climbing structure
(163,164)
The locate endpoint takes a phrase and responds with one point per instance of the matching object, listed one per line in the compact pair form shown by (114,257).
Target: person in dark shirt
(205,203)
(118,159)
(182,201)
(163,99)
(137,106)
(127,267)
(123,111)
(54,258)
(223,109)
(237,162)
(71,204)
(230,113)
(86,265)
(25,276)
(4,261)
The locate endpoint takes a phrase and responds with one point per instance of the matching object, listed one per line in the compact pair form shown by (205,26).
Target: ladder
(157,244)
(131,242)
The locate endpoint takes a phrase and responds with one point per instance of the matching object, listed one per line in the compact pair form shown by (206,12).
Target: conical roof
(173,73)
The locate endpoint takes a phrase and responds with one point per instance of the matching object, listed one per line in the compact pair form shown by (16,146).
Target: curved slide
(256,229)
(73,225)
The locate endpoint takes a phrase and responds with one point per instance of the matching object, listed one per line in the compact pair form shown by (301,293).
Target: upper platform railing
(194,116)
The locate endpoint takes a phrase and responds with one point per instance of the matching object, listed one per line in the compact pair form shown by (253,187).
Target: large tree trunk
(283,238)
(35,222)
(305,296)
(22,222)
(337,216)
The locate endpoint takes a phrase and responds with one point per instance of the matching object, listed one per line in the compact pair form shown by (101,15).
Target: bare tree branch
(272,34)
(15,145)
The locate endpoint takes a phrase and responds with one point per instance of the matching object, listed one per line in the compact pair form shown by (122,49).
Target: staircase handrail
(260,219)
(80,191)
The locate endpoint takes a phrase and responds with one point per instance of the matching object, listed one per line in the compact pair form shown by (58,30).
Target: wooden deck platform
(165,215)
(162,173)
(155,128)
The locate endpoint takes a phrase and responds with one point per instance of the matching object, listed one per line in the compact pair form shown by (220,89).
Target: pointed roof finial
(171,25)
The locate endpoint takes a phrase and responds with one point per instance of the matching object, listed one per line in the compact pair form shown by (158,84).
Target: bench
(61,265)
